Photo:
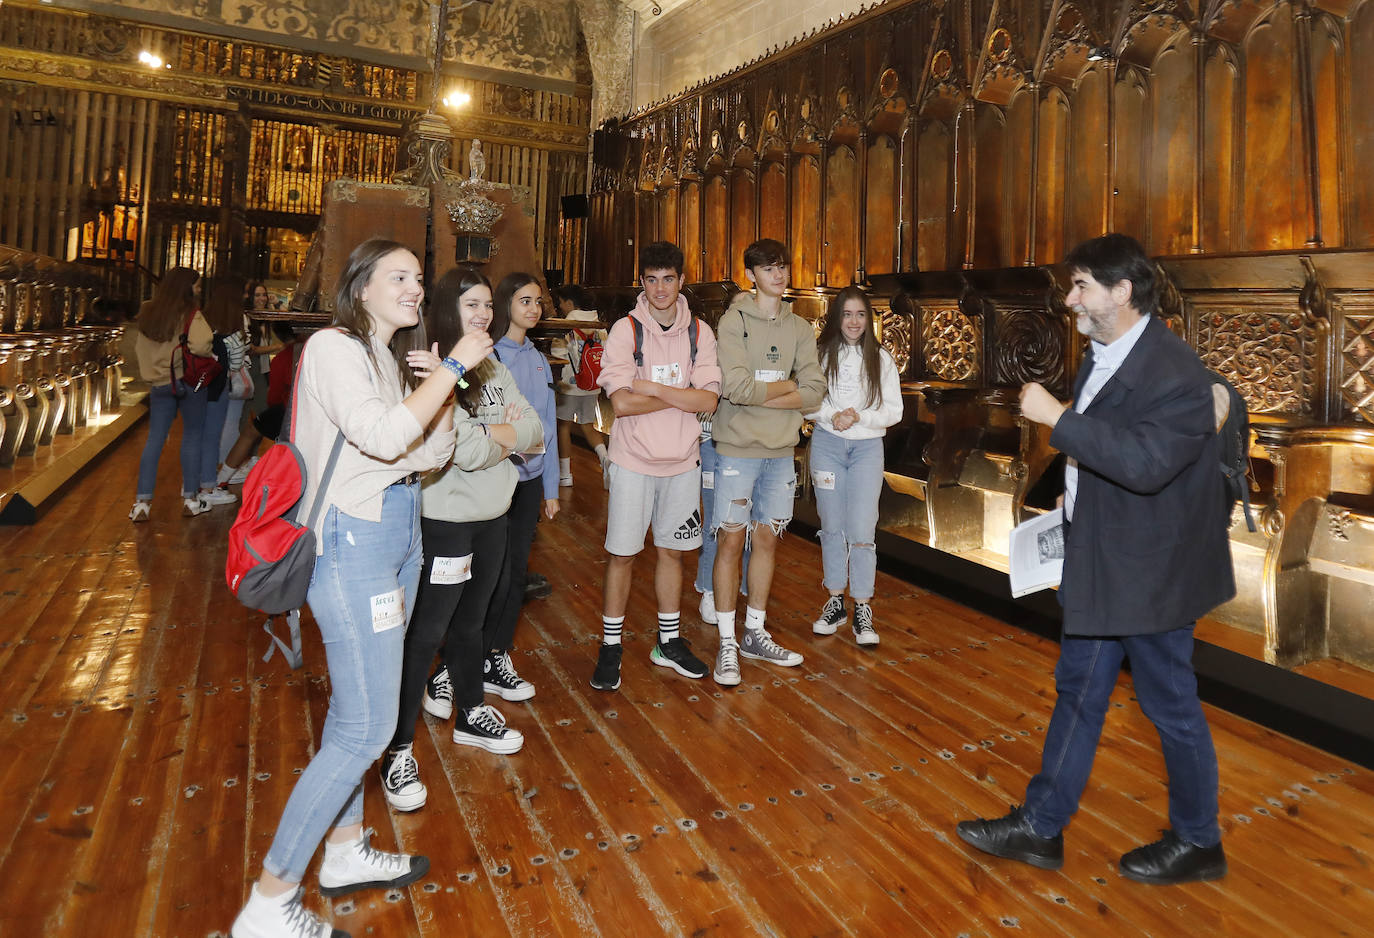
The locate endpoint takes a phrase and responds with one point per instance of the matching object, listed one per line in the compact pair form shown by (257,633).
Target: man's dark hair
(573,293)
(660,255)
(763,252)
(1113,258)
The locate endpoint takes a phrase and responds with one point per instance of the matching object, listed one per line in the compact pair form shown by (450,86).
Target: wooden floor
(146,752)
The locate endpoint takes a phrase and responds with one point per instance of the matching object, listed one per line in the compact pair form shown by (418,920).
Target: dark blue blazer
(1148,549)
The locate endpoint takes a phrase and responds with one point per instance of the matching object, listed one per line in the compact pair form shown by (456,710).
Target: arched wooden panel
(907,209)
(773,202)
(741,220)
(716,237)
(667,214)
(689,229)
(1361,128)
(990,235)
(881,207)
(934,163)
(1326,71)
(1218,154)
(646,207)
(806,214)
(1050,180)
(1020,115)
(1131,154)
(1086,176)
(841,216)
(1172,150)
(1272,203)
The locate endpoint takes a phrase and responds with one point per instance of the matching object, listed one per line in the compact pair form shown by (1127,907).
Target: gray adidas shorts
(670,504)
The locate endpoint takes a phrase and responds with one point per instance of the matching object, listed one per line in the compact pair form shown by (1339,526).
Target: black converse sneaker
(499,677)
(485,728)
(675,654)
(438,700)
(401,780)
(607,673)
(832,617)
(864,633)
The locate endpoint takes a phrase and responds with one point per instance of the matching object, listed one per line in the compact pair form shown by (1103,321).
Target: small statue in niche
(477,162)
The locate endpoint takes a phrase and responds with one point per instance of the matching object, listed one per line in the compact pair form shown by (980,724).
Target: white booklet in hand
(1036,553)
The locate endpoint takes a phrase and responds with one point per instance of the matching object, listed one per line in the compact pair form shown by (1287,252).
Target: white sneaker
(140,511)
(707,609)
(280,917)
(401,780)
(241,472)
(353,866)
(194,505)
(726,672)
(219,495)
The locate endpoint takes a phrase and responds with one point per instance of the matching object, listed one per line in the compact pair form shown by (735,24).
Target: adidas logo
(690,528)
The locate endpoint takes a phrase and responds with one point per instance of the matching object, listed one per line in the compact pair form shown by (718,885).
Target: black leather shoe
(1011,837)
(1173,860)
(537,586)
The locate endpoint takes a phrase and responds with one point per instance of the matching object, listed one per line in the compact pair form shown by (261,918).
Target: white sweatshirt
(849,390)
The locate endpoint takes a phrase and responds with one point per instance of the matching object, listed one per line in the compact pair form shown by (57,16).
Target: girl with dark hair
(356,390)
(863,398)
(224,313)
(518,305)
(173,310)
(464,526)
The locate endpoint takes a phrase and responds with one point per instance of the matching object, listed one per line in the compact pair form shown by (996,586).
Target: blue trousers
(1165,685)
(163,407)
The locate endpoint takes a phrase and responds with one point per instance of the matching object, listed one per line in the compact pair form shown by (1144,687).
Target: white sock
(610,629)
(565,466)
(225,471)
(753,618)
(668,625)
(601,451)
(725,621)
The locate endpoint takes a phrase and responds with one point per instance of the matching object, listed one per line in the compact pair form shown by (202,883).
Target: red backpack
(589,368)
(271,556)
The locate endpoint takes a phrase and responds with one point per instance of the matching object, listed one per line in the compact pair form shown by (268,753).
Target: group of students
(449,454)
(702,453)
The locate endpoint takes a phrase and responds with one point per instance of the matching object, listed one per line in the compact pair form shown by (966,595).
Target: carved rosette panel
(896,337)
(952,344)
(1030,347)
(1357,365)
(1270,356)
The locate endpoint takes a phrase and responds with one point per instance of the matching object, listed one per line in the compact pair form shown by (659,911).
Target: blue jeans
(361,594)
(706,559)
(1165,685)
(216,412)
(765,489)
(163,405)
(847,477)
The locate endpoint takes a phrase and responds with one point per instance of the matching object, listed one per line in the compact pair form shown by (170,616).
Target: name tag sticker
(389,610)
(445,571)
(666,374)
(708,480)
(824,480)
(769,375)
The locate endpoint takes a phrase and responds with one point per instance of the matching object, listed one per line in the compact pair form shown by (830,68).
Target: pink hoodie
(666,442)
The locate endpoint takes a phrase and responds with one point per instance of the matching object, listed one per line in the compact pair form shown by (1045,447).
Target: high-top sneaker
(832,617)
(485,728)
(864,633)
(499,677)
(438,701)
(356,865)
(401,780)
(280,917)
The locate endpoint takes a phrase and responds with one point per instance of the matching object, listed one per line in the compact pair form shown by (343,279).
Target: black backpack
(1235,450)
(639,340)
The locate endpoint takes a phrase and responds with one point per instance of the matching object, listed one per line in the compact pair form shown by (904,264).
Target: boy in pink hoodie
(659,371)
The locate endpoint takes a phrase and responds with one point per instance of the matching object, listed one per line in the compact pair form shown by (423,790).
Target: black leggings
(451,614)
(523,518)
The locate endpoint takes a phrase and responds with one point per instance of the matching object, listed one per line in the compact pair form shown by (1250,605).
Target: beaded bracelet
(455,366)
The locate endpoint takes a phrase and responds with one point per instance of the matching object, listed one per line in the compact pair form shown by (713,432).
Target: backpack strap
(692,331)
(292,653)
(639,341)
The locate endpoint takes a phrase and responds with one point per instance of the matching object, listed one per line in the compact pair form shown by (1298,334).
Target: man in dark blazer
(1146,554)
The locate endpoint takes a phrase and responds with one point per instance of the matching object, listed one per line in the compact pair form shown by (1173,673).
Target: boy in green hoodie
(771,377)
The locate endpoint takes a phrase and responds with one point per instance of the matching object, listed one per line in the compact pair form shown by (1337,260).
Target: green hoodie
(755,351)
(477,483)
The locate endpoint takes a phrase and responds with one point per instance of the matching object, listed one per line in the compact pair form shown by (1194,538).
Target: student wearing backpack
(465,528)
(863,398)
(224,312)
(356,381)
(577,405)
(173,310)
(659,371)
(1146,554)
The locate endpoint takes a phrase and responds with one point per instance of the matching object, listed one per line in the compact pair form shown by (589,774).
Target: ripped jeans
(847,476)
(763,488)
